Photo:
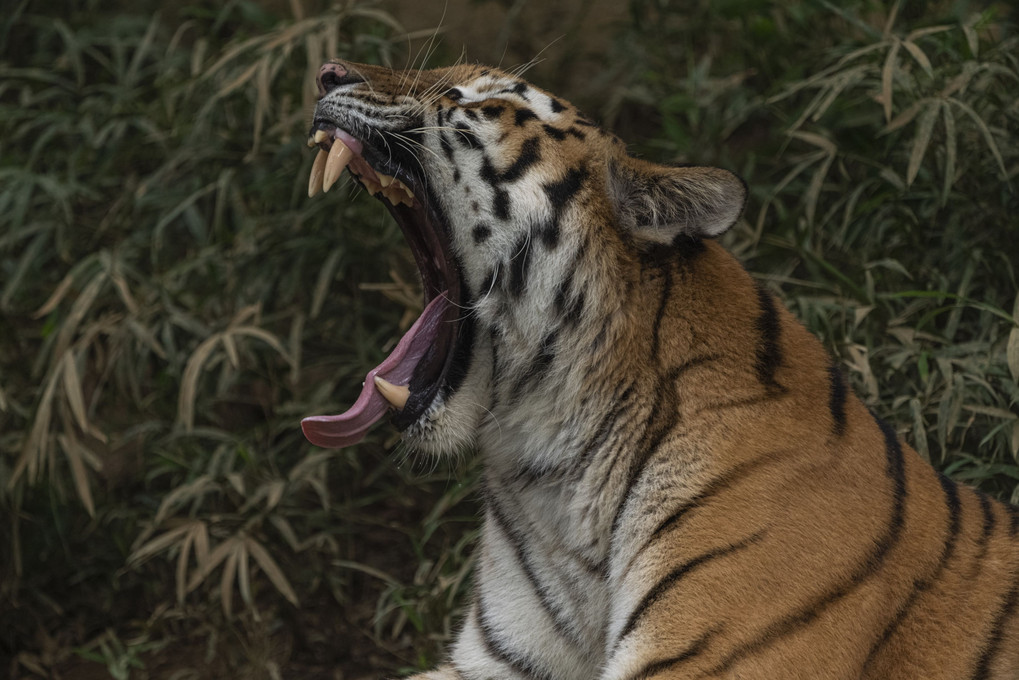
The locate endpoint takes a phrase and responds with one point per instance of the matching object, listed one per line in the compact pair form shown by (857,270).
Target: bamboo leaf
(888,77)
(189,381)
(1012,354)
(919,56)
(226,581)
(950,151)
(158,545)
(74,457)
(272,570)
(221,552)
(924,131)
(986,132)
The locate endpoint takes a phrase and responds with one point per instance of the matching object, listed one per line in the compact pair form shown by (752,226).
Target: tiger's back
(678,482)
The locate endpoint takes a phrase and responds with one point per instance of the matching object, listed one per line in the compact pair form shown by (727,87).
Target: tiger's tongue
(334,432)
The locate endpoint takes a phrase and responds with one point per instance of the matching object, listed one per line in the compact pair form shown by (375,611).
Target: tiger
(678,482)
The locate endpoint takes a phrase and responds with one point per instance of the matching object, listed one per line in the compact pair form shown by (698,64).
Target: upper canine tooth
(319,136)
(339,156)
(317,170)
(397,395)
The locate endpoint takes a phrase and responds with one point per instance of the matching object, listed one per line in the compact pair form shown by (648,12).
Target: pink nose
(331,76)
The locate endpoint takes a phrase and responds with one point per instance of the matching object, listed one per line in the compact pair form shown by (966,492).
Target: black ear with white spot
(657,203)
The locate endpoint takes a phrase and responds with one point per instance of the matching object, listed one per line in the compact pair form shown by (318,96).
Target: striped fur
(679,483)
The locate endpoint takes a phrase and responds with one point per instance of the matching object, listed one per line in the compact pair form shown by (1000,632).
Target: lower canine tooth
(319,136)
(317,170)
(339,156)
(396,395)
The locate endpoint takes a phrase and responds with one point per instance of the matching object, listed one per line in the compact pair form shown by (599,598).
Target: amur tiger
(678,482)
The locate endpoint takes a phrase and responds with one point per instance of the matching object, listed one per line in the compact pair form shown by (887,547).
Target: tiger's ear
(657,203)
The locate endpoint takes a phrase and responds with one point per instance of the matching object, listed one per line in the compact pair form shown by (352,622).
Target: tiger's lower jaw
(451,422)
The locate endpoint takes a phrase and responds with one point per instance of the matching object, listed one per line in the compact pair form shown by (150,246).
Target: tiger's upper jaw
(522,216)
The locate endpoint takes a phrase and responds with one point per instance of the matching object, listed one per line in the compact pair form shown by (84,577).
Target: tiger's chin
(451,423)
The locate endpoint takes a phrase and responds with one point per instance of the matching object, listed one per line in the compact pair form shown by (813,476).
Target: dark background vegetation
(171,303)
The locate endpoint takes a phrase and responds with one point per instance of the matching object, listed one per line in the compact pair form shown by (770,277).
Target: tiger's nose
(332,75)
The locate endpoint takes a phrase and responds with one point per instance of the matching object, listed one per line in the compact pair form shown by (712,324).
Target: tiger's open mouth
(425,360)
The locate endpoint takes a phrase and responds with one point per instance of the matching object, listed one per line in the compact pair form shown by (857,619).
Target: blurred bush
(172,304)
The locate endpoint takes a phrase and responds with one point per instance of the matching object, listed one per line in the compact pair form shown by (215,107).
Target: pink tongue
(334,432)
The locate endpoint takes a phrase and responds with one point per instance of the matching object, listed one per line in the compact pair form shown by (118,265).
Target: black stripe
(869,565)
(988,527)
(554,132)
(920,586)
(447,146)
(500,204)
(663,304)
(498,649)
(602,432)
(837,398)
(561,192)
(480,233)
(530,153)
(560,621)
(567,306)
(663,418)
(1005,612)
(712,488)
(466,136)
(673,577)
(769,354)
(548,233)
(656,667)
(522,116)
(538,366)
(492,112)
(557,106)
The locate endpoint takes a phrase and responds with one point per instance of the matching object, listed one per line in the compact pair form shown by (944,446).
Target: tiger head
(527,223)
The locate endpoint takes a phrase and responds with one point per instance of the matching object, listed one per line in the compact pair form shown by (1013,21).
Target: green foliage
(172,304)
(881,149)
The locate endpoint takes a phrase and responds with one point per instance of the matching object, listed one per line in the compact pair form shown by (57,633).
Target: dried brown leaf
(271,569)
(158,544)
(72,451)
(226,582)
(919,56)
(189,381)
(219,554)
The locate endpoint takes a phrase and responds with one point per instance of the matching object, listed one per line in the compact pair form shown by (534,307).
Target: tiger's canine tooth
(397,395)
(339,156)
(311,142)
(320,135)
(317,170)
